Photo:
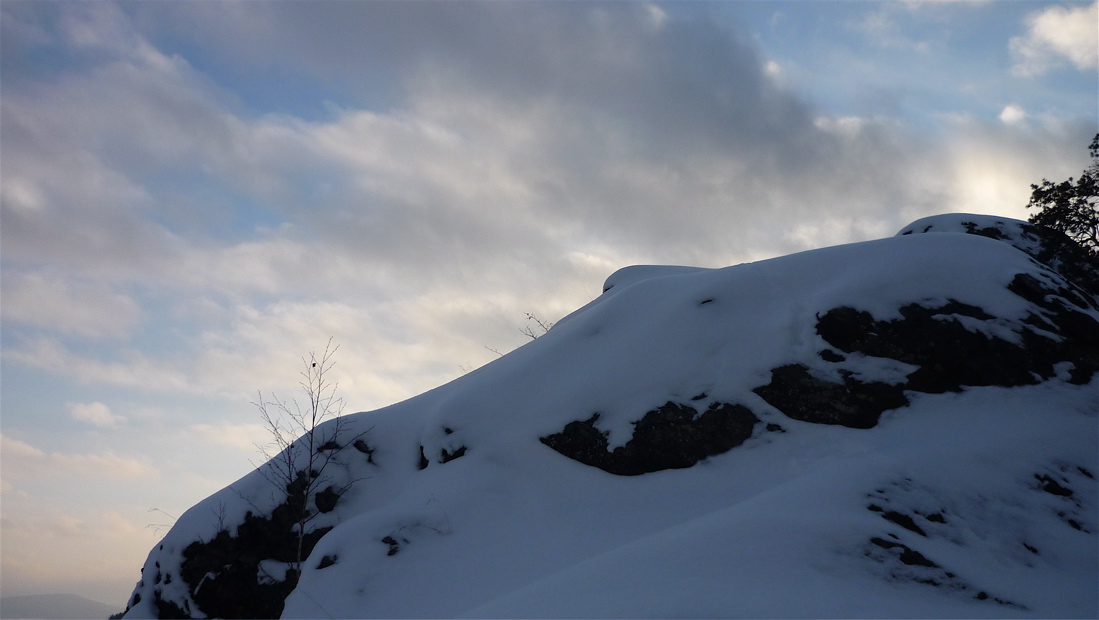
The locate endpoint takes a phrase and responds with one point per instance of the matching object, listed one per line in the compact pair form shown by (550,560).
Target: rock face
(672,436)
(685,406)
(849,402)
(949,346)
(947,354)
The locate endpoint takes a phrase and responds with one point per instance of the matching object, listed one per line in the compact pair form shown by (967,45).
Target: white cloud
(1012,115)
(135,371)
(23,462)
(846,127)
(419,234)
(776,73)
(13,448)
(55,304)
(96,414)
(241,436)
(657,16)
(444,221)
(1055,34)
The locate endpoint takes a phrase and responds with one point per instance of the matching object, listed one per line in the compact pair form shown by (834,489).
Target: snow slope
(936,455)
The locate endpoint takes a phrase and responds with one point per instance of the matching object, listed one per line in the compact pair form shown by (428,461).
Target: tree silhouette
(1071,206)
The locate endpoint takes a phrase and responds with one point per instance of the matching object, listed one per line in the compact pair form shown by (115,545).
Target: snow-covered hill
(902,427)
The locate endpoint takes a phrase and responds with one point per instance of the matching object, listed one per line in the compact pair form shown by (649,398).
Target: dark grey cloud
(684,82)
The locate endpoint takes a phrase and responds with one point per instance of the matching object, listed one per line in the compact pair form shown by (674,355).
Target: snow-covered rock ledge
(902,427)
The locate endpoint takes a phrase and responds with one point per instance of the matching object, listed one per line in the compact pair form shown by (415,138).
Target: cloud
(596,131)
(415,233)
(58,525)
(20,450)
(136,370)
(1012,115)
(57,304)
(24,462)
(1056,34)
(96,414)
(241,436)
(985,163)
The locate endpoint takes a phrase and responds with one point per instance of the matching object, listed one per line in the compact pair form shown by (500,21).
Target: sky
(195,195)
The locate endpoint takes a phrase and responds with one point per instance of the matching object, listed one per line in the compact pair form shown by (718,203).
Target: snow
(776,527)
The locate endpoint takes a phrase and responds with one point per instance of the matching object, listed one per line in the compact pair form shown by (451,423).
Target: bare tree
(299,453)
(539,328)
(543,326)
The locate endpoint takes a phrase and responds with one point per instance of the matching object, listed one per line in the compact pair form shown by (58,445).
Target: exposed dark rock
(423,459)
(1051,486)
(394,545)
(1062,316)
(446,457)
(1060,253)
(166,609)
(326,500)
(950,356)
(327,561)
(673,436)
(904,521)
(990,232)
(906,554)
(801,396)
(365,448)
(223,573)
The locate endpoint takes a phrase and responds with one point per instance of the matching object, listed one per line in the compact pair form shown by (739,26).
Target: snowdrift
(902,427)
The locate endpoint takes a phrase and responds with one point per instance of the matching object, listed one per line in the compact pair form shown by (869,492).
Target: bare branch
(297,455)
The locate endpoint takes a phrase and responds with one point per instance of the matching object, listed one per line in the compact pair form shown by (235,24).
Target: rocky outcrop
(672,436)
(954,345)
(950,345)
(794,391)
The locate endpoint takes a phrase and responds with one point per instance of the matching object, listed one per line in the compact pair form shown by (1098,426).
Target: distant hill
(54,606)
(906,427)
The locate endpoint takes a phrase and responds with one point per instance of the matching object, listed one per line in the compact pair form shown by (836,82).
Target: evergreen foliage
(1072,207)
